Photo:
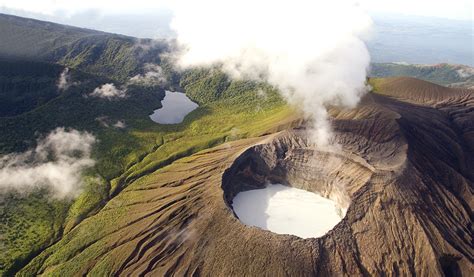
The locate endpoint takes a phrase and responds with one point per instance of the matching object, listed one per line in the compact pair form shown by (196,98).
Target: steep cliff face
(404,172)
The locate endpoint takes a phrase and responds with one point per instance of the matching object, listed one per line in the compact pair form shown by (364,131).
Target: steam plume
(57,162)
(310,50)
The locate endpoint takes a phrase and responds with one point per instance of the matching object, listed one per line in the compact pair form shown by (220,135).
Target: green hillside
(99,53)
(34,227)
(29,222)
(33,106)
(442,74)
(25,85)
(123,155)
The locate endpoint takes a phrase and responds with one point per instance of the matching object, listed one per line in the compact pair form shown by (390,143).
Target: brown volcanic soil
(406,167)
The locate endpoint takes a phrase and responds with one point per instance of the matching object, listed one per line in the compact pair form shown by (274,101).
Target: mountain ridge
(452,75)
(408,148)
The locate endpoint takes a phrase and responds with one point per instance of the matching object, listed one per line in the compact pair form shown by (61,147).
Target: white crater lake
(286,210)
(175,106)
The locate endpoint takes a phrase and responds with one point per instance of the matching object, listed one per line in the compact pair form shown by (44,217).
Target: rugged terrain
(159,199)
(451,75)
(32,106)
(111,55)
(405,166)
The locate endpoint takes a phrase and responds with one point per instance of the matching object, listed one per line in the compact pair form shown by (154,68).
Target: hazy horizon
(426,40)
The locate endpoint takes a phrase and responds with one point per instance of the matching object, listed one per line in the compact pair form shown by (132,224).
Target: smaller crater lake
(175,106)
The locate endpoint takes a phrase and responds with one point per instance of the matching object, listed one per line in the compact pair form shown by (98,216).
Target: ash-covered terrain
(406,162)
(152,199)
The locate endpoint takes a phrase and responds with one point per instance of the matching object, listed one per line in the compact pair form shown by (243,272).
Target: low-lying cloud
(64,79)
(153,76)
(311,51)
(120,124)
(57,162)
(107,122)
(466,72)
(109,92)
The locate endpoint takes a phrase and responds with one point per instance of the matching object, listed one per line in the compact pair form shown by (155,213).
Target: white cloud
(106,122)
(103,121)
(64,80)
(120,124)
(312,51)
(153,76)
(108,91)
(57,162)
(466,72)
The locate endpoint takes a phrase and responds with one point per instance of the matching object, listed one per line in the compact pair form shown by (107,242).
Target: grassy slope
(123,155)
(25,85)
(228,110)
(29,222)
(114,56)
(223,120)
(32,106)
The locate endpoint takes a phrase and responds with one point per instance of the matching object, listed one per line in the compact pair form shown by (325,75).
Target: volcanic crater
(292,160)
(404,172)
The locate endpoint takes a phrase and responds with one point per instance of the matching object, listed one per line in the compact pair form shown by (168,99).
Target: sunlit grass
(125,155)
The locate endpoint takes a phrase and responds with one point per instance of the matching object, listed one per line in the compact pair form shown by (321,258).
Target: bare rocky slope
(405,171)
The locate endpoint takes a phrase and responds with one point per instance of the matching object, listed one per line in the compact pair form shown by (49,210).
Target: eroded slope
(406,166)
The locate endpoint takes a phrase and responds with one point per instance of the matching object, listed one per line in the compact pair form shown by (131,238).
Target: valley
(175,106)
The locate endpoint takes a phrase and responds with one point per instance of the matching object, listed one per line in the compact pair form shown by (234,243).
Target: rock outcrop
(404,171)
